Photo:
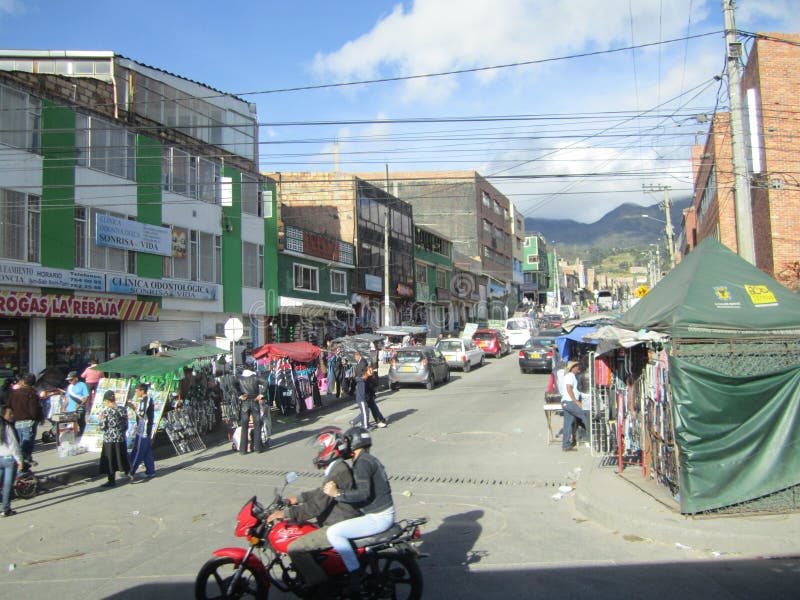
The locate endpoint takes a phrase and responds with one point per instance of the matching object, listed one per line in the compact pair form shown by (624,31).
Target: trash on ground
(565,489)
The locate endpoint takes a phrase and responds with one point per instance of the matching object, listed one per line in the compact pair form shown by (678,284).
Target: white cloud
(432,36)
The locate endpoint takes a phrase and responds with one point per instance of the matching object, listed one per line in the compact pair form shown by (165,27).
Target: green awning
(158,365)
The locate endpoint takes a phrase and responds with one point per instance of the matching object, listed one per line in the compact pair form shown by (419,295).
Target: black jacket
(250,386)
(316,505)
(372,493)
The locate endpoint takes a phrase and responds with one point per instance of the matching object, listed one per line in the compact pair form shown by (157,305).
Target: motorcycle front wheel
(398,577)
(215,577)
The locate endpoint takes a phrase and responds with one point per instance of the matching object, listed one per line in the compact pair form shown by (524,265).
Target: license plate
(535,355)
(407,369)
(450,357)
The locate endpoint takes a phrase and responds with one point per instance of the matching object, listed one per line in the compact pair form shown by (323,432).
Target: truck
(605,301)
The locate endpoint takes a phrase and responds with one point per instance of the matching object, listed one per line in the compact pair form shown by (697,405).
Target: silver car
(418,364)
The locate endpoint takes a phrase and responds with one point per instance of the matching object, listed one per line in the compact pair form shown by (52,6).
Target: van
(519,330)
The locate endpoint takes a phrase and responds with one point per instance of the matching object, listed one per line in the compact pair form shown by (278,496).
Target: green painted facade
(57,232)
(426,292)
(232,246)
(148,200)
(285,276)
(271,261)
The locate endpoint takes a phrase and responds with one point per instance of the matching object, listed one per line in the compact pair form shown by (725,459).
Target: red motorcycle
(389,560)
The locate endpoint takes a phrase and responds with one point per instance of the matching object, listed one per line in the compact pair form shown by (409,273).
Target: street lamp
(670,243)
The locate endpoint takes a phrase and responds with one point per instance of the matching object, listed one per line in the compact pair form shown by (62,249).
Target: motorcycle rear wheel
(216,574)
(398,577)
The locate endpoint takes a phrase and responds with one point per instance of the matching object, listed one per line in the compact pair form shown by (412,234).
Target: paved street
(470,455)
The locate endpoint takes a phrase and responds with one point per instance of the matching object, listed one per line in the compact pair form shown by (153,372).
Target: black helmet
(330,445)
(358,437)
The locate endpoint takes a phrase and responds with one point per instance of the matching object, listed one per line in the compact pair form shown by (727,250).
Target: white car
(461,354)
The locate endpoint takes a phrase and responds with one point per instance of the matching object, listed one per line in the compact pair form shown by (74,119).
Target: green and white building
(131,210)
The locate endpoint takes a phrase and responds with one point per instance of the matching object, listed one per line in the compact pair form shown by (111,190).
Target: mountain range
(623,227)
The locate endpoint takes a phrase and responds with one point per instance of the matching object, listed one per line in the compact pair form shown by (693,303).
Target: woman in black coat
(114,425)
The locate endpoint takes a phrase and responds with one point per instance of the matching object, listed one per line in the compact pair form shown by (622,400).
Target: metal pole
(744,210)
(670,240)
(386,224)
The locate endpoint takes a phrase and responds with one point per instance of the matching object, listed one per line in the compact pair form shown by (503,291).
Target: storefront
(67,332)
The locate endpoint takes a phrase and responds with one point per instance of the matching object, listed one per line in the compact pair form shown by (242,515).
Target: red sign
(28,304)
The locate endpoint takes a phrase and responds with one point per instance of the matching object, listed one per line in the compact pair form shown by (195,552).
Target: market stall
(183,389)
(291,371)
(731,381)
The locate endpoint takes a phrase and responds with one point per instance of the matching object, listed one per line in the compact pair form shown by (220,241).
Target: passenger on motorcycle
(316,505)
(372,495)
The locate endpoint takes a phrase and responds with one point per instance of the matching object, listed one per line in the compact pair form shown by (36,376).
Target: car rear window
(483,336)
(516,325)
(449,346)
(541,342)
(408,356)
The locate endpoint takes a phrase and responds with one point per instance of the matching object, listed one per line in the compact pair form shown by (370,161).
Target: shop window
(73,343)
(19,226)
(306,278)
(13,346)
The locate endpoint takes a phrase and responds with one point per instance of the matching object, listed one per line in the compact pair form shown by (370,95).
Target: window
(250,195)
(421,273)
(100,257)
(112,149)
(20,115)
(81,237)
(19,226)
(441,279)
(533,259)
(193,176)
(253,265)
(306,278)
(196,256)
(497,208)
(338,282)
(486,200)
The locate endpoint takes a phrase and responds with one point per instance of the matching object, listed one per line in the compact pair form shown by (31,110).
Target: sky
(569,108)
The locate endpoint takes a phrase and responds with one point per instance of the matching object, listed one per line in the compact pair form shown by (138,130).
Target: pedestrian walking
(27,414)
(360,374)
(250,388)
(142,451)
(10,460)
(114,425)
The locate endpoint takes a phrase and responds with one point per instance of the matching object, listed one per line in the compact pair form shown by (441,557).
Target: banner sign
(27,304)
(178,288)
(124,234)
(21,274)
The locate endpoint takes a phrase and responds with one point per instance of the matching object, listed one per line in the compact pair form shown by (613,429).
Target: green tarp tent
(738,437)
(158,365)
(713,293)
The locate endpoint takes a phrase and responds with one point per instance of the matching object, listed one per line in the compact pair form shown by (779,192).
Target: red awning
(297,351)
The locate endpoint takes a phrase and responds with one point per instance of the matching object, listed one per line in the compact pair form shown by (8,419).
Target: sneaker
(570,449)
(382,424)
(8,513)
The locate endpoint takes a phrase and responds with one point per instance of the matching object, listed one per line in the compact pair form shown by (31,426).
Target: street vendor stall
(396,336)
(291,371)
(734,378)
(181,385)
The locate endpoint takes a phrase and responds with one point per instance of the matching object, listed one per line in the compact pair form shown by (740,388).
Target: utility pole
(667,219)
(386,223)
(745,241)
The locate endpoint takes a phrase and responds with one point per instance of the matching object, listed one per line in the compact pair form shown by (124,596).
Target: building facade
(535,271)
(769,84)
(345,207)
(433,271)
(131,209)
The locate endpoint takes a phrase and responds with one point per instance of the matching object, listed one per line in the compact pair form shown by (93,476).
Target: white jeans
(340,534)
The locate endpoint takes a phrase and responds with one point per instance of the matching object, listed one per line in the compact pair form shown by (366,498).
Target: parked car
(418,365)
(518,330)
(538,354)
(460,354)
(492,342)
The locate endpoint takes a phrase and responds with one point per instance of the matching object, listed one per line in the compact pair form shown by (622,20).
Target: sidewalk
(638,507)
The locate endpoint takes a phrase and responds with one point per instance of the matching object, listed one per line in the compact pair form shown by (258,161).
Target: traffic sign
(234,330)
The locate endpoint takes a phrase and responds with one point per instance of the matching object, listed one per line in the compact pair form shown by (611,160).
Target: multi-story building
(433,270)
(536,274)
(769,84)
(314,275)
(348,208)
(477,218)
(131,209)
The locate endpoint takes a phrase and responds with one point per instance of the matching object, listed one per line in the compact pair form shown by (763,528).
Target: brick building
(770,85)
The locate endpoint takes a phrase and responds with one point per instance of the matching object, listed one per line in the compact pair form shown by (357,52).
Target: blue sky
(587,131)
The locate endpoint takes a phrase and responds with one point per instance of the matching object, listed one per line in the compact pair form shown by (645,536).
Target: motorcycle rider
(316,505)
(372,495)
